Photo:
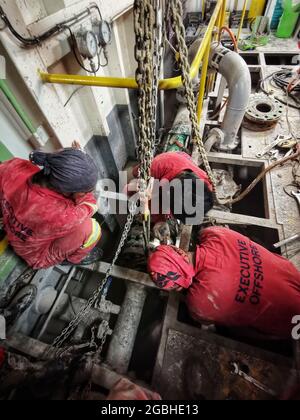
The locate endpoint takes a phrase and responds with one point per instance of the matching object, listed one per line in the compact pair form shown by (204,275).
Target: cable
(261,176)
(217,112)
(281,84)
(75,91)
(231,34)
(95,6)
(105,56)
(93,71)
(284,80)
(34,41)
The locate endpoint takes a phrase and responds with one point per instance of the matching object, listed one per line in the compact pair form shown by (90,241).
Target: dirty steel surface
(196,369)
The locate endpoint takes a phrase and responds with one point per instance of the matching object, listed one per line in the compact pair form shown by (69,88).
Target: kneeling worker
(232,281)
(47,214)
(180,166)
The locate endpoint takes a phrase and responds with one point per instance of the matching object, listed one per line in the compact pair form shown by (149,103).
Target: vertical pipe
(203,9)
(223,13)
(56,303)
(17,106)
(124,335)
(219,23)
(242,21)
(203,82)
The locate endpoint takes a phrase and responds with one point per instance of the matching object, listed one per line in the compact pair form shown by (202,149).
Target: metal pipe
(203,9)
(130,83)
(56,303)
(242,21)
(214,138)
(287,241)
(124,335)
(223,13)
(235,70)
(17,106)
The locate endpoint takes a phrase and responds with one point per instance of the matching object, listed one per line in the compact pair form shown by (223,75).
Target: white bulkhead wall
(85,115)
(192,6)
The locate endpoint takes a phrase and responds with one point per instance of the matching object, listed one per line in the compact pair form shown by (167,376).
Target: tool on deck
(287,241)
(237,371)
(280,139)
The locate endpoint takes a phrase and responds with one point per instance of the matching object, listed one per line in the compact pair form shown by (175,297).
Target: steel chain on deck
(60,340)
(175,13)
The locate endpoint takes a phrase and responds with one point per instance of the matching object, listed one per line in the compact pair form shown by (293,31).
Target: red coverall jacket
(241,284)
(43,226)
(168,166)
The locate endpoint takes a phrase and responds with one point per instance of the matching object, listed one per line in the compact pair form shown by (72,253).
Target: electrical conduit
(17,106)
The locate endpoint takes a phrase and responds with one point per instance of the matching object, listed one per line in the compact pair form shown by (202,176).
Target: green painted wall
(4,153)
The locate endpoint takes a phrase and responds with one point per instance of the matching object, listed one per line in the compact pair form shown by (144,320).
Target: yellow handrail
(130,83)
(242,21)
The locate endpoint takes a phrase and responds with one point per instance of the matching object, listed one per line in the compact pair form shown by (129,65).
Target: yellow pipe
(203,8)
(223,13)
(218,24)
(72,79)
(203,82)
(3,245)
(130,83)
(242,21)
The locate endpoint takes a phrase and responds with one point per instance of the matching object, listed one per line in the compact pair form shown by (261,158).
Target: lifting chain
(148,54)
(175,14)
(59,341)
(159,45)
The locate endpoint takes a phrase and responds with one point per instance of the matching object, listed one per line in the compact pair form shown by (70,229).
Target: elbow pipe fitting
(236,72)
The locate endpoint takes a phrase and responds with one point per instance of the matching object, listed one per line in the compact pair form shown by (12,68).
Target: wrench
(237,371)
(279,139)
(297,197)
(274,155)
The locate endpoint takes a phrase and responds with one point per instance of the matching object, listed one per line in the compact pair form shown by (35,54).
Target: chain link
(175,13)
(143,21)
(61,339)
(148,54)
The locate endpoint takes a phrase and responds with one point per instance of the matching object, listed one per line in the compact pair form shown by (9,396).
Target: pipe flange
(263,112)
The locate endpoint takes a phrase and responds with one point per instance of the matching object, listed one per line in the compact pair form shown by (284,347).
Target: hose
(231,34)
(34,41)
(261,176)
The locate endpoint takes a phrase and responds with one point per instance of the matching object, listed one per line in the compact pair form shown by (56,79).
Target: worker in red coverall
(232,281)
(47,214)
(178,165)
